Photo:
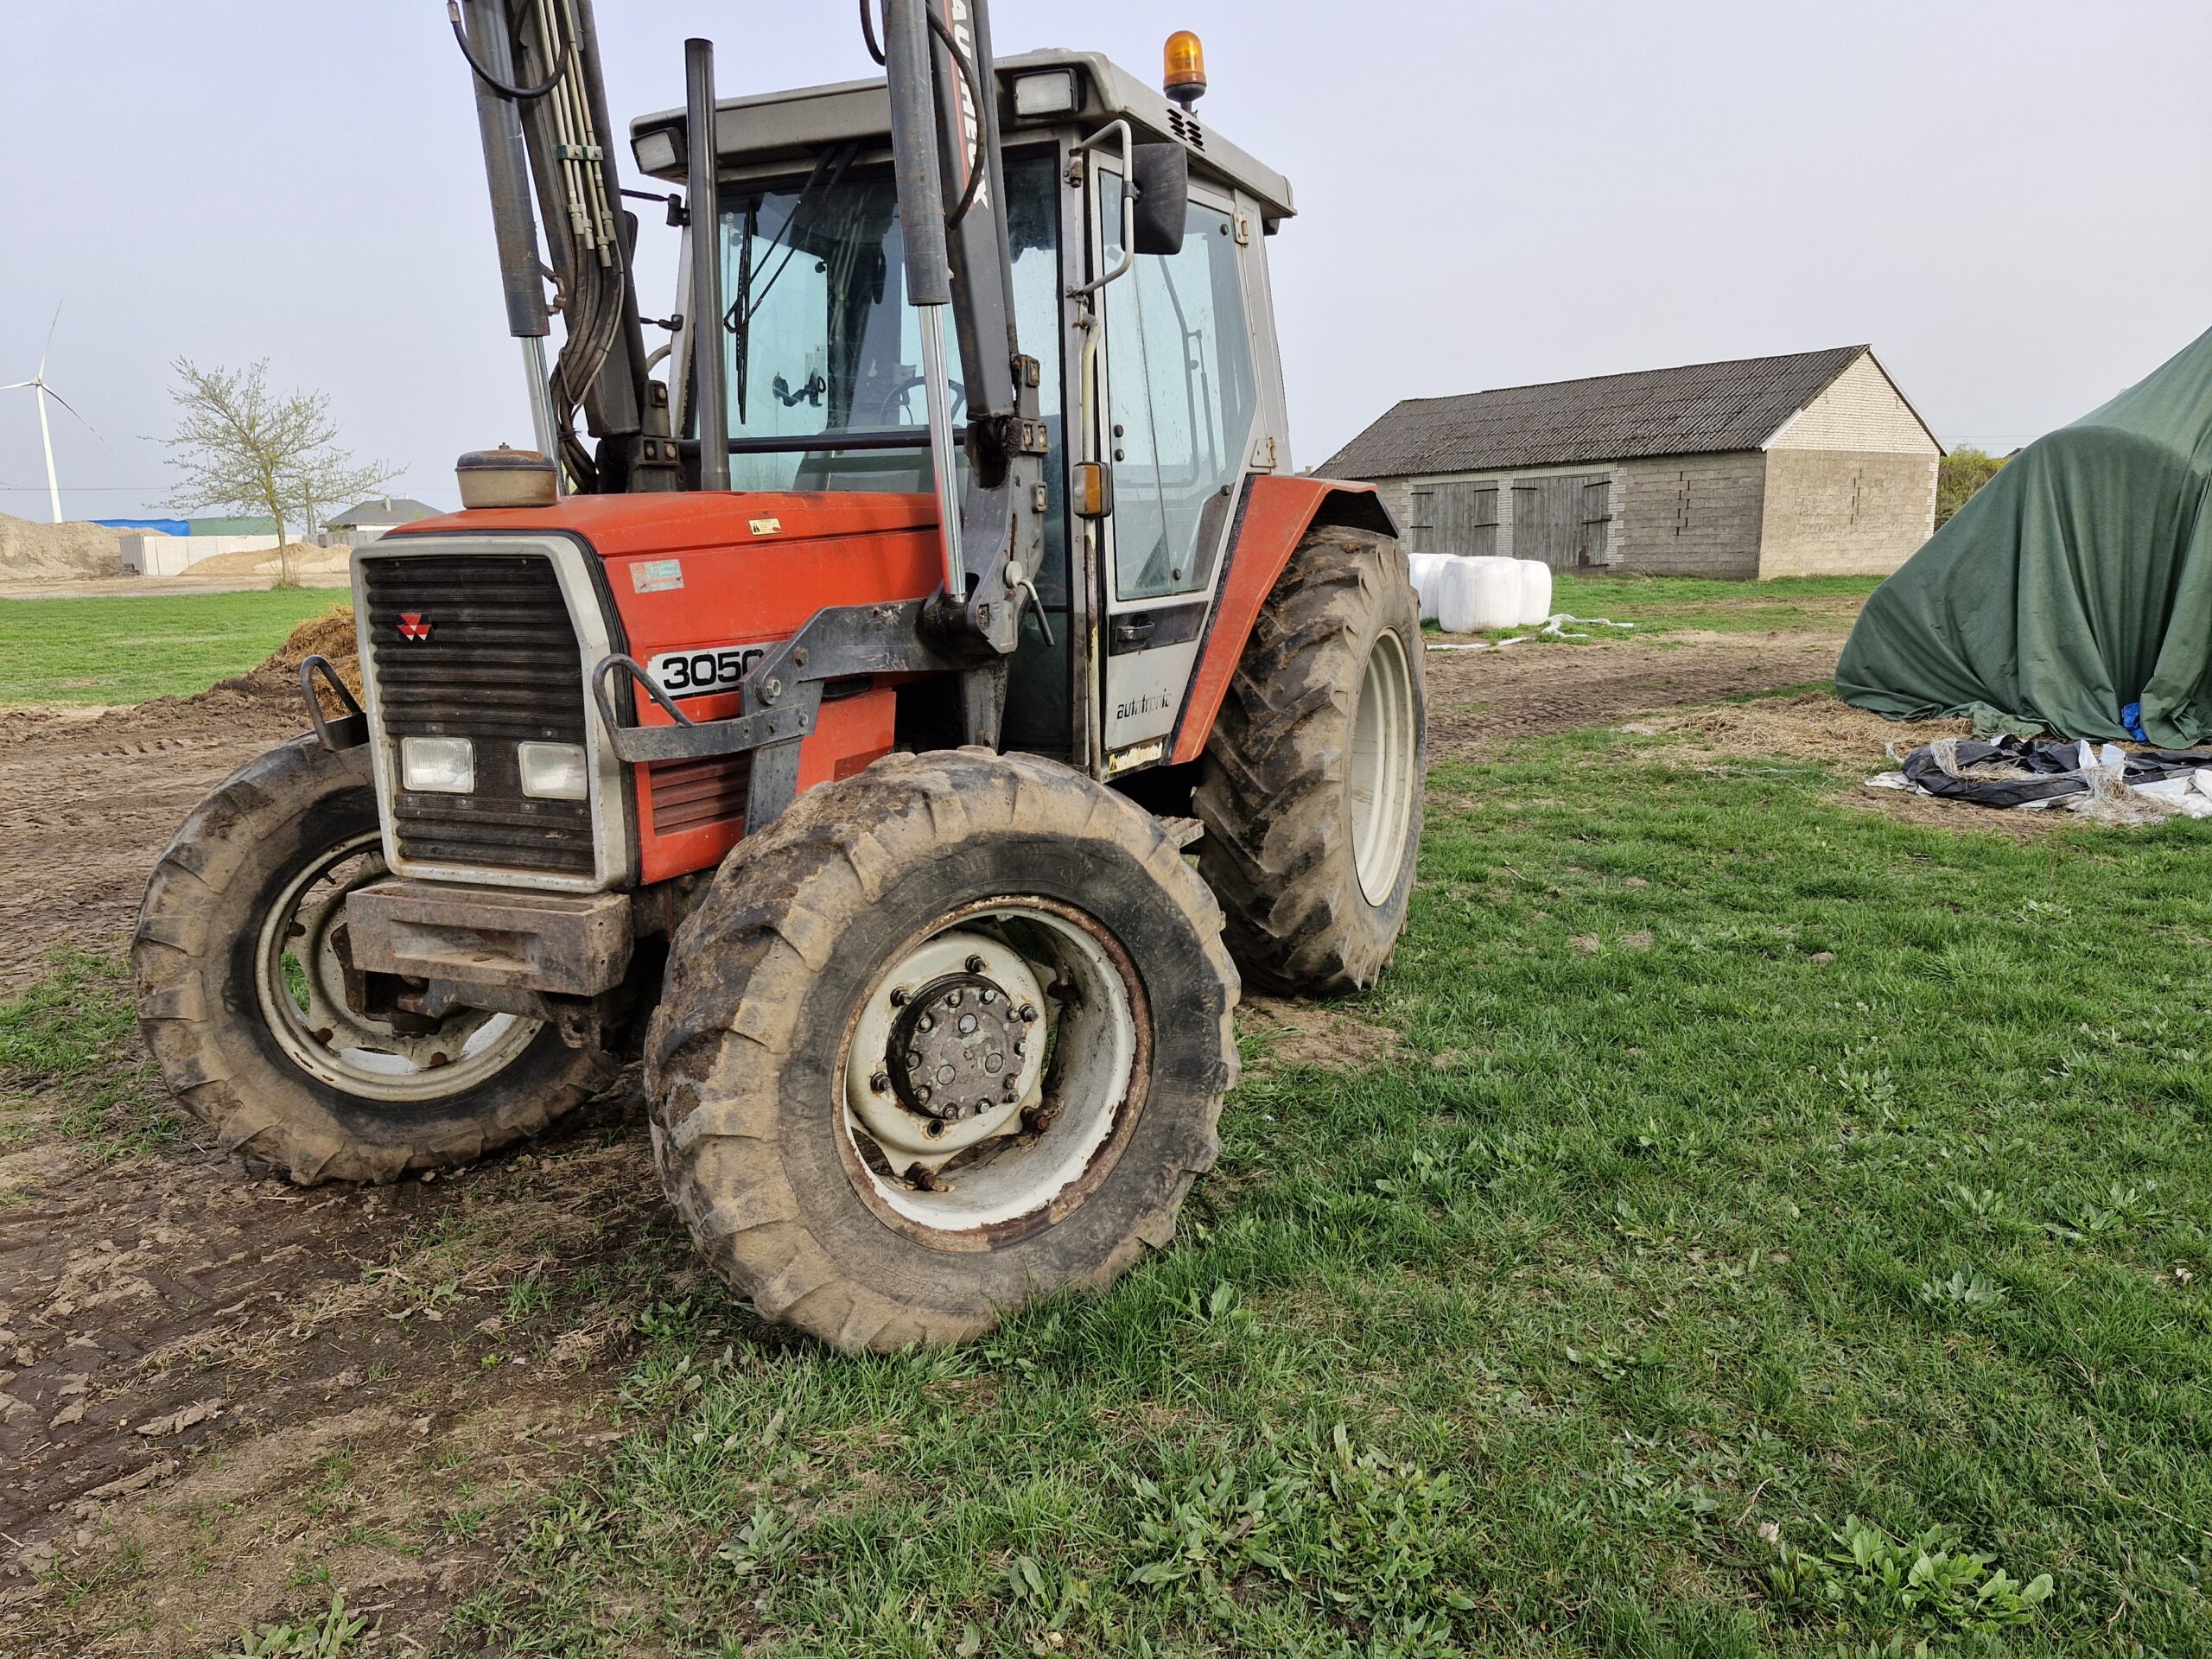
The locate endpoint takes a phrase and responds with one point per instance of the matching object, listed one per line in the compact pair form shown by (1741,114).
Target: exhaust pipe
(711,393)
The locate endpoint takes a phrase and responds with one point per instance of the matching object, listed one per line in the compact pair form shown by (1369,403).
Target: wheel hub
(957,1045)
(948,1050)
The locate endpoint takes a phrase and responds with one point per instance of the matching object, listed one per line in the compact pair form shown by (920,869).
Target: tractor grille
(501,665)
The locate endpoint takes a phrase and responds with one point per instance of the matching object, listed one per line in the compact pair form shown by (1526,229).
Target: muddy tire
(1311,786)
(954,889)
(291,1080)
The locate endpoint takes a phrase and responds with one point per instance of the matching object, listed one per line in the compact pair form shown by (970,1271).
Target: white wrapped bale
(1428,580)
(1536,579)
(1478,595)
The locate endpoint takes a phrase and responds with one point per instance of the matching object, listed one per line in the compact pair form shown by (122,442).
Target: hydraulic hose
(520,94)
(975,90)
(966,74)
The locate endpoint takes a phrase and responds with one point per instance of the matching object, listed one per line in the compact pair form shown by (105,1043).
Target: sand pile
(306,560)
(64,552)
(330,634)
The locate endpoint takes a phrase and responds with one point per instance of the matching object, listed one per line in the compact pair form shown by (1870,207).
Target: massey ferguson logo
(413,625)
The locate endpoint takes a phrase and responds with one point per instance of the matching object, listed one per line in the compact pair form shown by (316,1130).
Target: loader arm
(948,162)
(541,96)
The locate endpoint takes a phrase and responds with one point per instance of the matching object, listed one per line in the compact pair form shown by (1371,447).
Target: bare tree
(242,446)
(330,478)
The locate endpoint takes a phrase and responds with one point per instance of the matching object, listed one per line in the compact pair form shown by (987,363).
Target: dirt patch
(1817,726)
(1313,1033)
(34,552)
(1812,725)
(206,1371)
(1478,701)
(330,635)
(88,799)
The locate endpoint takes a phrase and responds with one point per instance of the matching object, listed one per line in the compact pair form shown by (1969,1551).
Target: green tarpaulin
(2075,583)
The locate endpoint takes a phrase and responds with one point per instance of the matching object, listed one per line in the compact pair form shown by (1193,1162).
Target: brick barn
(1811,464)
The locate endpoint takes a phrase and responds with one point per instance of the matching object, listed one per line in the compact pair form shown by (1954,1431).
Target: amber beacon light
(1185,80)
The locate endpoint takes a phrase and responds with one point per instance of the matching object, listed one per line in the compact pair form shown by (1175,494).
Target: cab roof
(759,132)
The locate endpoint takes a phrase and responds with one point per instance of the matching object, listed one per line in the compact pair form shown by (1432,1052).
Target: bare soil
(221,1396)
(1478,701)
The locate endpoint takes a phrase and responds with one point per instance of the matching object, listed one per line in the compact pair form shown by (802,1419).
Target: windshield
(822,344)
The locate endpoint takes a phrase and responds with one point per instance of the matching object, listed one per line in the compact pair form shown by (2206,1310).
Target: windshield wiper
(739,318)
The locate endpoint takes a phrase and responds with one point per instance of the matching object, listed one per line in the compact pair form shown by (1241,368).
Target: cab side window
(1181,402)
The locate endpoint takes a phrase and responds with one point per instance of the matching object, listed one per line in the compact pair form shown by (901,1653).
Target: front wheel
(248,1000)
(947,1037)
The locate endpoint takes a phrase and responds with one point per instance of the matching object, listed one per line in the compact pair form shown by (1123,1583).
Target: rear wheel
(948,1036)
(248,1000)
(1310,787)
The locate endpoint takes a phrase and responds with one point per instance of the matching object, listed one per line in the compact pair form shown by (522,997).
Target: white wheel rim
(1046,1127)
(1380,789)
(328,1040)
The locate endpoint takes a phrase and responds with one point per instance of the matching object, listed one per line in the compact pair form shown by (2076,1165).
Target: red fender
(1278,511)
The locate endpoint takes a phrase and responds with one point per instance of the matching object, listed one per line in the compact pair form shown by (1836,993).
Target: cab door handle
(1130,633)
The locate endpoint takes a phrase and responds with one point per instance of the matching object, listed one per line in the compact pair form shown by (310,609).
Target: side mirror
(1162,177)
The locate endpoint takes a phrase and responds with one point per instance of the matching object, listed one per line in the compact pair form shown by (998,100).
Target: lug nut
(952,999)
(899,996)
(986,997)
(1012,1095)
(1021,1047)
(880,1082)
(1028,1014)
(927,1022)
(974,965)
(923,1093)
(913,1059)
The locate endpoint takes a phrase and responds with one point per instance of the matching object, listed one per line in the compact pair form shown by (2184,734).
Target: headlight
(1049,93)
(656,151)
(437,765)
(553,771)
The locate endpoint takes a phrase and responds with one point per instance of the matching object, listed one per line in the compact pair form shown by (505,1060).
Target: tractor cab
(1158,380)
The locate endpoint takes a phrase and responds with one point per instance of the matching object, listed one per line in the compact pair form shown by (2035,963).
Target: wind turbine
(42,392)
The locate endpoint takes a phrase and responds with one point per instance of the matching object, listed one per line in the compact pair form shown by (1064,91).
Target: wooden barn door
(1550,520)
(1465,519)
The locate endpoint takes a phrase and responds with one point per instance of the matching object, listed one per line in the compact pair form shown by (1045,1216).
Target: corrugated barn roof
(1700,409)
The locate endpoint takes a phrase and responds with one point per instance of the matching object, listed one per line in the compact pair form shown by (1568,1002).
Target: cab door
(1177,418)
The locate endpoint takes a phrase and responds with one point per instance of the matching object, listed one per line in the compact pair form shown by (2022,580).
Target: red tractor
(909,745)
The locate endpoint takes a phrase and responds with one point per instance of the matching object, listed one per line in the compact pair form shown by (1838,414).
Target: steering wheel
(894,402)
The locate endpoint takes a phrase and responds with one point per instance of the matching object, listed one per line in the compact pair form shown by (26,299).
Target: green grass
(1790,1231)
(70,1055)
(127,649)
(1672,604)
(1659,604)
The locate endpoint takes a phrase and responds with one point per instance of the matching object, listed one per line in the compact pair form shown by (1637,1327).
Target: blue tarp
(166,526)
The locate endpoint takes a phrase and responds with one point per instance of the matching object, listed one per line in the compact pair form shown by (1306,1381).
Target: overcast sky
(2012,199)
